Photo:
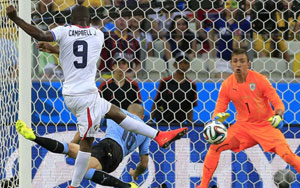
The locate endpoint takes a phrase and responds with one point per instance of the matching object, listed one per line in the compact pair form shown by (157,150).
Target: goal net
(153,35)
(8,99)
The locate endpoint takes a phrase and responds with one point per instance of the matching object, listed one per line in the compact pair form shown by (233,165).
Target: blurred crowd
(210,31)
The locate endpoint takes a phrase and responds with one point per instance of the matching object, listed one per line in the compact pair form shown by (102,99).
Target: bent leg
(94,163)
(130,124)
(103,178)
(212,159)
(285,152)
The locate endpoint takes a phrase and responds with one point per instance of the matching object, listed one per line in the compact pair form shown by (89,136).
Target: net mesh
(8,99)
(154,35)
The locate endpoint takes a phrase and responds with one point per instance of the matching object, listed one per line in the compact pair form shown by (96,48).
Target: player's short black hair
(79,14)
(238,51)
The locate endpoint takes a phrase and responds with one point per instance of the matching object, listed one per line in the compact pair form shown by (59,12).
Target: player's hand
(221,116)
(46,47)
(11,12)
(276,121)
(132,173)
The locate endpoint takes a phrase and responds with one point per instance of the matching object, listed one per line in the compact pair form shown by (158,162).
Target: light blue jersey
(128,141)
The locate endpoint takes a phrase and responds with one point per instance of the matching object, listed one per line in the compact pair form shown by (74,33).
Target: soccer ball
(215,132)
(283,178)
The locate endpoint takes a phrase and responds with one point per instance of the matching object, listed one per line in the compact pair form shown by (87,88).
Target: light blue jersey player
(128,141)
(118,142)
(108,153)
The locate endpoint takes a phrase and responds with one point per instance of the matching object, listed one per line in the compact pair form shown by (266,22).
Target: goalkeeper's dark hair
(239,51)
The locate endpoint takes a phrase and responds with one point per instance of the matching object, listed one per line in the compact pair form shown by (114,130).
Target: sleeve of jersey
(58,33)
(271,94)
(144,147)
(102,38)
(223,100)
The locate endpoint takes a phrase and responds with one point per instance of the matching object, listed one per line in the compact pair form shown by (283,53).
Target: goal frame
(25,85)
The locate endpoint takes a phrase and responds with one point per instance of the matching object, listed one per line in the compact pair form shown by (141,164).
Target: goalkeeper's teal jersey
(128,141)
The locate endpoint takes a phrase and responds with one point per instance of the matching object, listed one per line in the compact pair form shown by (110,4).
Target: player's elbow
(42,36)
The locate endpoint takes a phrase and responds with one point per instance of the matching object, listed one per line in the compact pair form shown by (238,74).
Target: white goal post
(25,85)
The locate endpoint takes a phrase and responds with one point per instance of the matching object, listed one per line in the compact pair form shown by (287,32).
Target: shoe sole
(178,136)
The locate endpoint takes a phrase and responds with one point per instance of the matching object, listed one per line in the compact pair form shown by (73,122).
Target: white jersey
(80,49)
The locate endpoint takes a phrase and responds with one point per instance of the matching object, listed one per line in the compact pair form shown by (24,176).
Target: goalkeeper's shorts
(248,135)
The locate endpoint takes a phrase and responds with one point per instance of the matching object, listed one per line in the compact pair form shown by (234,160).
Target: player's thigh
(108,153)
(116,114)
(268,137)
(73,150)
(88,109)
(94,163)
(238,137)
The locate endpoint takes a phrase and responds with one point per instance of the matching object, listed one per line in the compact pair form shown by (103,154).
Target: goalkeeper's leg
(288,156)
(212,159)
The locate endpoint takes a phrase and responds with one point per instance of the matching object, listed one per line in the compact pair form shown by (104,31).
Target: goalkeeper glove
(276,121)
(221,116)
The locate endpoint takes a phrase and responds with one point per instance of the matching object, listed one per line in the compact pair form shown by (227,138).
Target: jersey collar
(82,27)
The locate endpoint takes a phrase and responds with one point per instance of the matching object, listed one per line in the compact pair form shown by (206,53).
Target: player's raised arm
(28,28)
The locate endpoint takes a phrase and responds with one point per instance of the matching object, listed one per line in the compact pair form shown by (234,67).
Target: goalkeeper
(256,122)
(107,154)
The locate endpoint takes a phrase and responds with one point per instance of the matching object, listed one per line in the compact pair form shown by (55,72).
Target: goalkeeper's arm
(279,112)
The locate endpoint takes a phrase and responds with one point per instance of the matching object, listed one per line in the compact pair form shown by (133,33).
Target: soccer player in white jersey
(80,47)
(106,154)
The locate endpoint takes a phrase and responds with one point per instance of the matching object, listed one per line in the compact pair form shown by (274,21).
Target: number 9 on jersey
(215,132)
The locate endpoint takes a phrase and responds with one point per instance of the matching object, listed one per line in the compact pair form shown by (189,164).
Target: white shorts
(88,109)
(223,66)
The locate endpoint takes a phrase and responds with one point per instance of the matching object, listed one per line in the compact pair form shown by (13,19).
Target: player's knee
(229,144)
(218,148)
(287,155)
(116,114)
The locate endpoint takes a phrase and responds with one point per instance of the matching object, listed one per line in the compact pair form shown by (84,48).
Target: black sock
(50,144)
(103,178)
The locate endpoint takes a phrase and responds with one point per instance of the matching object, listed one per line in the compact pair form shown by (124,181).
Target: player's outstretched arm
(28,28)
(141,167)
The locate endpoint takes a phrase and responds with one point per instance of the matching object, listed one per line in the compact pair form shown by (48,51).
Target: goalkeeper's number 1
(247,106)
